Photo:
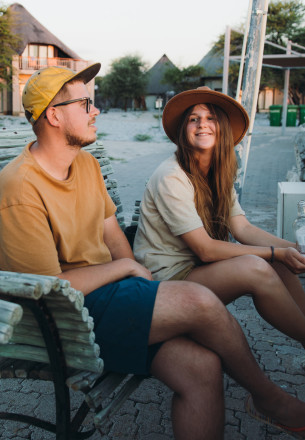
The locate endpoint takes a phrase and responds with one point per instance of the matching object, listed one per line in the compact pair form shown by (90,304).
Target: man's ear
(52,116)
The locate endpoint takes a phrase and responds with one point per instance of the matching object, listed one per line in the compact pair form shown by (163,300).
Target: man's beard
(76,141)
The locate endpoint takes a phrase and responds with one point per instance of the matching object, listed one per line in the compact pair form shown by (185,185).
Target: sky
(102,31)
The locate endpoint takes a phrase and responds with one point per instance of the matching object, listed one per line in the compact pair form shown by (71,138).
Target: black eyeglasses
(88,103)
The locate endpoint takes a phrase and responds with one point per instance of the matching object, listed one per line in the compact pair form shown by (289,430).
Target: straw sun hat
(176,106)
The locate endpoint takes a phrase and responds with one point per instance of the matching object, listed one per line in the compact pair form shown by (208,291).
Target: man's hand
(140,271)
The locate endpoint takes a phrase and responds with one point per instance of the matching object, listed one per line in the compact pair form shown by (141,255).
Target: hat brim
(176,106)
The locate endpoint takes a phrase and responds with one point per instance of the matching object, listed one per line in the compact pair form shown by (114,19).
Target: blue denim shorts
(122,314)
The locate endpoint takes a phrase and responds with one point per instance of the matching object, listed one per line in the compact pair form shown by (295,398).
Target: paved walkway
(146,416)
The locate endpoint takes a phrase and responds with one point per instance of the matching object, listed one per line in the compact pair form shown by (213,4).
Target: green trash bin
(292,112)
(302,114)
(275,115)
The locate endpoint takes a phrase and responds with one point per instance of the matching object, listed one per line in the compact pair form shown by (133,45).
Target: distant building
(156,90)
(38,48)
(212,63)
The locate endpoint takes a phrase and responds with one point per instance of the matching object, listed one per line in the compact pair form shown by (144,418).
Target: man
(56,218)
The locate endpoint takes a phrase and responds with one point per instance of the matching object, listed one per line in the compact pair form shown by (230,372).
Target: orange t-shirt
(48,226)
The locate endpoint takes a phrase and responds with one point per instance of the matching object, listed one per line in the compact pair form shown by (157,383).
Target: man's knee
(200,302)
(188,294)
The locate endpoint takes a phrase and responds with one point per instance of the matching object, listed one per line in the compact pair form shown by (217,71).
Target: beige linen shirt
(167,211)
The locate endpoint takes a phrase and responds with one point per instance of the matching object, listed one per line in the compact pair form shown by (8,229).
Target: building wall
(11,102)
(269,97)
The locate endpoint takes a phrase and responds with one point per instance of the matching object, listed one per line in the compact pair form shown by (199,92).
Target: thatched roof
(212,63)
(154,86)
(31,31)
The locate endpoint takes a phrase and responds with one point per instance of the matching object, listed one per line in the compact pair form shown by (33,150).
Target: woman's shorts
(180,276)
(122,314)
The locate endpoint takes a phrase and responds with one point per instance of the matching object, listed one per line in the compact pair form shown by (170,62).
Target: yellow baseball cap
(44,85)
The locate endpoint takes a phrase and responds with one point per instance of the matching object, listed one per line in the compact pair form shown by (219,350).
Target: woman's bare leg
(195,375)
(292,283)
(232,278)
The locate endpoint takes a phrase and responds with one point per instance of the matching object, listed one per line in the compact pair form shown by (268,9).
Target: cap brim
(176,106)
(89,73)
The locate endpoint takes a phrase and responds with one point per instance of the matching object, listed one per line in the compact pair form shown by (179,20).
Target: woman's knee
(257,270)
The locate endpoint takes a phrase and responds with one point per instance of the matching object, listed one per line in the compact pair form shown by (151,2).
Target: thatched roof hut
(32,32)
(212,63)
(154,86)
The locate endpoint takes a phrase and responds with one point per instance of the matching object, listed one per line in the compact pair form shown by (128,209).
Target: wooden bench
(47,334)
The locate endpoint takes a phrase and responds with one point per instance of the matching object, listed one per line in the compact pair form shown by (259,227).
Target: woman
(190,209)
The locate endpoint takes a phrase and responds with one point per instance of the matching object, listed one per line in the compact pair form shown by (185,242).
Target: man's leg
(195,375)
(184,308)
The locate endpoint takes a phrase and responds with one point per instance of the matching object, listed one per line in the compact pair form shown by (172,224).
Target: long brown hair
(213,193)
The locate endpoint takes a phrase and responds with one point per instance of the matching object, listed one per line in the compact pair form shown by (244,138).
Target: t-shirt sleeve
(110,207)
(25,247)
(174,199)
(236,208)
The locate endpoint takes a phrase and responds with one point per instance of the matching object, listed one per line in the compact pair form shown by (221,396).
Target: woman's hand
(291,258)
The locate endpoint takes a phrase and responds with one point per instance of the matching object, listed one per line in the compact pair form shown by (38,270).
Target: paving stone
(149,418)
(38,386)
(270,361)
(231,419)
(154,436)
(231,433)
(124,428)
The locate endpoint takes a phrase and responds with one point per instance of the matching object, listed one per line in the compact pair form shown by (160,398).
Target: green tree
(8,46)
(285,22)
(127,79)
(183,79)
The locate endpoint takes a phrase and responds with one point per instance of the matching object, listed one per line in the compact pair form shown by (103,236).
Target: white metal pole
(225,73)
(285,97)
(243,52)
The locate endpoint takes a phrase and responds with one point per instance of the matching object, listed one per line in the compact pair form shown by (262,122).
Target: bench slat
(6,332)
(10,313)
(38,354)
(23,331)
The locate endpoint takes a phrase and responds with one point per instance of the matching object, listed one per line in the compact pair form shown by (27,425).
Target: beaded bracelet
(272,254)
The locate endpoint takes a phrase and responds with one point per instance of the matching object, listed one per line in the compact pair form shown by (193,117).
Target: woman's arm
(255,242)
(246,233)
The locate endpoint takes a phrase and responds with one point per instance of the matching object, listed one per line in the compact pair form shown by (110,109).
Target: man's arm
(90,278)
(123,265)
(116,240)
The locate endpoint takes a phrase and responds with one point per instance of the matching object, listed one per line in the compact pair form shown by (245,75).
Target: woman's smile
(201,128)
